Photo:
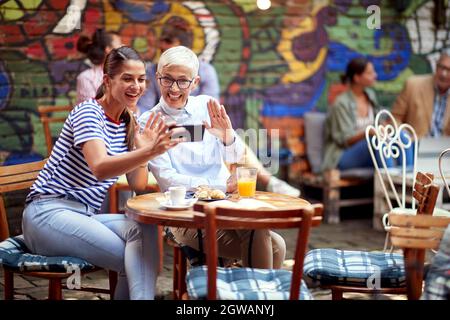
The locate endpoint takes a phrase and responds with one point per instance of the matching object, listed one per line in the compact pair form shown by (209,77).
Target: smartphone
(191,132)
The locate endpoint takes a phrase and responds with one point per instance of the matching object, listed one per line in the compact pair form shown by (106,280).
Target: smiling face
(173,95)
(127,86)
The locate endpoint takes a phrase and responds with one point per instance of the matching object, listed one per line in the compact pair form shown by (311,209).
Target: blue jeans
(62,227)
(358,156)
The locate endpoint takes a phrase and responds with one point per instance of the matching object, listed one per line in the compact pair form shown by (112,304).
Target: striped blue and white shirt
(66,171)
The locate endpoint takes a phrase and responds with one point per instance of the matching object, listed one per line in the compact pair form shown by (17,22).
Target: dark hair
(177,28)
(95,48)
(112,66)
(356,66)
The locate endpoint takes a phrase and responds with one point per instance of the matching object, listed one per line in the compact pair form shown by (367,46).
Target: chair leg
(331,197)
(113,199)
(182,275)
(55,289)
(112,283)
(176,265)
(337,294)
(161,248)
(179,274)
(9,284)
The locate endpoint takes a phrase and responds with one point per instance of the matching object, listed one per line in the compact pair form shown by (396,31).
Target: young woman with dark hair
(352,112)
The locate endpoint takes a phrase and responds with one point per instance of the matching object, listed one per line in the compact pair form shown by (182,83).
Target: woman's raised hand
(220,122)
(155,136)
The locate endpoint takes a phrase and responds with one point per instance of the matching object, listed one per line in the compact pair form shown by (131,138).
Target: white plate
(188,203)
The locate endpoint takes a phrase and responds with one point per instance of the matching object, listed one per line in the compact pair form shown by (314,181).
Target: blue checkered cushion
(244,284)
(353,268)
(15,255)
(437,283)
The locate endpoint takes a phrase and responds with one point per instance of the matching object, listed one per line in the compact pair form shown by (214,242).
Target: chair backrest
(45,114)
(441,171)
(425,193)
(12,178)
(230,218)
(415,234)
(389,141)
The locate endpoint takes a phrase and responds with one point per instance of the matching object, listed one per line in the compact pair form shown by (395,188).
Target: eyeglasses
(181,83)
(441,67)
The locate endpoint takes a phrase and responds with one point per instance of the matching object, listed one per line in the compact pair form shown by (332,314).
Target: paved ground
(349,234)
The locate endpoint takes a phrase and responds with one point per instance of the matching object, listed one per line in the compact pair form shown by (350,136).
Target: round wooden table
(146,209)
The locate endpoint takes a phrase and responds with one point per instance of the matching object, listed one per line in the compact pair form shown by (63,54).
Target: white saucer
(188,203)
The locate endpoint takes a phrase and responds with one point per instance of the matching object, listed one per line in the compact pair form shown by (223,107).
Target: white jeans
(62,227)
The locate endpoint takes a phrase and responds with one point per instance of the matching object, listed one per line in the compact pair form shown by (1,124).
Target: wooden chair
(352,271)
(46,114)
(21,177)
(202,280)
(416,234)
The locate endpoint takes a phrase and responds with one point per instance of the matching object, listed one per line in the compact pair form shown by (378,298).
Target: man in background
(424,102)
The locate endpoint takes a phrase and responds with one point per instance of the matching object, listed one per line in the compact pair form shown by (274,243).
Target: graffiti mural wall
(273,65)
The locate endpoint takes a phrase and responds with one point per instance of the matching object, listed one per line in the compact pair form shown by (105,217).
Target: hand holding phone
(190,133)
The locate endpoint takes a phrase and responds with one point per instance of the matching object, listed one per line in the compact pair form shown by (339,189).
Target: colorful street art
(272,65)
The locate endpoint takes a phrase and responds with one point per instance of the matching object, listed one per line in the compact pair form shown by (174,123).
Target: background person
(352,112)
(95,48)
(424,102)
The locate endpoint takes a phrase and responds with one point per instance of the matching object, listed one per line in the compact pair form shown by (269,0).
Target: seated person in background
(352,112)
(96,49)
(99,142)
(192,164)
(174,33)
(424,102)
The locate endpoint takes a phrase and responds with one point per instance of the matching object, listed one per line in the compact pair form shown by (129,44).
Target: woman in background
(95,48)
(352,112)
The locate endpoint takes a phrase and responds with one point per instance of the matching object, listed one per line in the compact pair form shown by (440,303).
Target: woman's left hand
(220,122)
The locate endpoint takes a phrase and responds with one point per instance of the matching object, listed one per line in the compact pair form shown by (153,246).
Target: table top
(146,208)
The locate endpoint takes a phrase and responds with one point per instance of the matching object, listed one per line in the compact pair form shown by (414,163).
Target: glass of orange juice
(246,181)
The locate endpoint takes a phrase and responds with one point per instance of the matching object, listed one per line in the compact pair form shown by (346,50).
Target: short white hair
(179,56)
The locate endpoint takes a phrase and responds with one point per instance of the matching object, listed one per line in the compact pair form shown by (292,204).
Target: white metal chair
(387,140)
(441,157)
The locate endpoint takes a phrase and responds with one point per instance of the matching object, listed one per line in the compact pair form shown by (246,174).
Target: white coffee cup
(176,195)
